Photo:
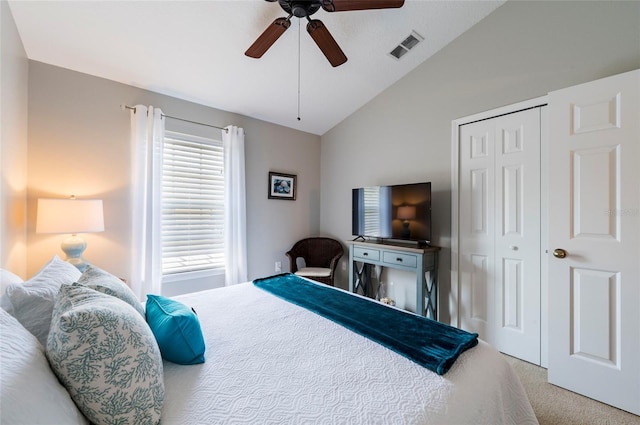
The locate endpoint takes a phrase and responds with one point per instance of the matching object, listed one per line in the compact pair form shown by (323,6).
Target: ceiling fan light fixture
(299,11)
(300,8)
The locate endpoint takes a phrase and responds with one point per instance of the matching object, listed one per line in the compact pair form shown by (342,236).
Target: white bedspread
(271,362)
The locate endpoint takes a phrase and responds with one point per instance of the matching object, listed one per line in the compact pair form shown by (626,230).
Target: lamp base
(406,233)
(73,247)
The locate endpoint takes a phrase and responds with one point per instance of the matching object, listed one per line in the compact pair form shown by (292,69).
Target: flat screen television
(395,213)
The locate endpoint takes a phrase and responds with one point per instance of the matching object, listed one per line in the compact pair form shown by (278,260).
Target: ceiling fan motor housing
(300,8)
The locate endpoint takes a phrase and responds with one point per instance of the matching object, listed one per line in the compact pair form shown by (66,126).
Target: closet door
(594,233)
(499,231)
(476,224)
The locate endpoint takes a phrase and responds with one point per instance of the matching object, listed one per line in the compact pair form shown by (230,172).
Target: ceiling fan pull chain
(298,69)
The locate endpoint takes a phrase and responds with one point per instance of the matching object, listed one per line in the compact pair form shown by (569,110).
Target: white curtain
(147,136)
(235,229)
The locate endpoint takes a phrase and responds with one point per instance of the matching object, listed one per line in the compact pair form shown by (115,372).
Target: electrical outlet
(344,266)
(278,267)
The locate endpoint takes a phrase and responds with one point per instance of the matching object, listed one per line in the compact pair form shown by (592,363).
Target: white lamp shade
(406,212)
(69,216)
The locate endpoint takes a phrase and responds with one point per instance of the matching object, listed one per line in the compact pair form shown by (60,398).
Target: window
(192,204)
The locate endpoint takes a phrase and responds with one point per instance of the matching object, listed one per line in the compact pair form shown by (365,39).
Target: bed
(269,361)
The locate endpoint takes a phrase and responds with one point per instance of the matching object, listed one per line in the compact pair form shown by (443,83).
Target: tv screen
(400,212)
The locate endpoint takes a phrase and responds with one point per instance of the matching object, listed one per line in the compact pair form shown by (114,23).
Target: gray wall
(521,51)
(13,145)
(78,136)
(79,144)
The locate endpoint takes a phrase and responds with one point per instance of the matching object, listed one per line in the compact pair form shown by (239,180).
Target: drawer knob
(399,260)
(366,254)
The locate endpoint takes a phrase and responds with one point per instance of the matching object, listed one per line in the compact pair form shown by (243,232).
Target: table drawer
(366,253)
(399,258)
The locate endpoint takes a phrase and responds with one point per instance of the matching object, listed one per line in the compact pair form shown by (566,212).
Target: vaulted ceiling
(194,50)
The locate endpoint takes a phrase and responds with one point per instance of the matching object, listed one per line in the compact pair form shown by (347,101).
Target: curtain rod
(181,119)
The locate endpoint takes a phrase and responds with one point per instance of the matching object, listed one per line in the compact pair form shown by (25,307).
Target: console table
(364,256)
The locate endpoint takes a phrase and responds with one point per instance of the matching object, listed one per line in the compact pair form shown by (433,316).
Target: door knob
(559,253)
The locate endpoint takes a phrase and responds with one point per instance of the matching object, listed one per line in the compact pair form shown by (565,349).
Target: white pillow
(7,278)
(30,392)
(106,356)
(32,302)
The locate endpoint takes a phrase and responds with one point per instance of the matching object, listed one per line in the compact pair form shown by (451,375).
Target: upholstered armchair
(320,257)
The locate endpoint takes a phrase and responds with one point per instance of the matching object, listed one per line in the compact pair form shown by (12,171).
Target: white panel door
(517,243)
(500,232)
(477,211)
(594,235)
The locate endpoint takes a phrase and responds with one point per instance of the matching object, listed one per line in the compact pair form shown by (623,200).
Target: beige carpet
(556,406)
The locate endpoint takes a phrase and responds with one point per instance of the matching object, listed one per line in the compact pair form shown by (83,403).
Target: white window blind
(192,204)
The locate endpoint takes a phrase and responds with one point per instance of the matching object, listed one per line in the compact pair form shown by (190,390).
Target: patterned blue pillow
(177,330)
(104,353)
(102,281)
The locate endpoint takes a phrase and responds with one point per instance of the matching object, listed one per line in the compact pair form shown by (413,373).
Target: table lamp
(71,216)
(406,213)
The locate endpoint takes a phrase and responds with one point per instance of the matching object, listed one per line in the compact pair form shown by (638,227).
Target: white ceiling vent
(409,43)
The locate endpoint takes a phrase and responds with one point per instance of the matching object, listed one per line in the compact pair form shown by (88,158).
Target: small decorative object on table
(383,294)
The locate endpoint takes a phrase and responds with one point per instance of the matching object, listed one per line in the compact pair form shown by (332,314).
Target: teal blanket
(427,342)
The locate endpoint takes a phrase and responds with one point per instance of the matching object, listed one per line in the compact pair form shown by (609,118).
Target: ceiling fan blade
(345,5)
(268,37)
(326,42)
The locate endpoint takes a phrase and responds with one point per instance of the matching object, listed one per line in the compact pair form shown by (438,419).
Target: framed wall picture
(282,186)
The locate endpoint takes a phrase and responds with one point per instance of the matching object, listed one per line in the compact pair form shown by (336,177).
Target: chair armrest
(293,267)
(334,263)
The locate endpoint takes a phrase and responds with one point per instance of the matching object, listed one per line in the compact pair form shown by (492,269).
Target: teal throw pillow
(177,330)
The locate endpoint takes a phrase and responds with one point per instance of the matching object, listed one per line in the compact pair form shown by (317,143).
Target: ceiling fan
(315,27)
